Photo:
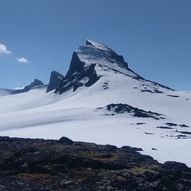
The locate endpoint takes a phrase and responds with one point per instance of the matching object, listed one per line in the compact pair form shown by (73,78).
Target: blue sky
(39,36)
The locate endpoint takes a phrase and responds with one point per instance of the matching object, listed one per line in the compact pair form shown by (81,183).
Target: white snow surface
(37,114)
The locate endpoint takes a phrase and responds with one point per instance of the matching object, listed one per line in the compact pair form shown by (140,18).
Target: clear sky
(38,36)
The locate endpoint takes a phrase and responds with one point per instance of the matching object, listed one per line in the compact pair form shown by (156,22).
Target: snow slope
(80,113)
(4,92)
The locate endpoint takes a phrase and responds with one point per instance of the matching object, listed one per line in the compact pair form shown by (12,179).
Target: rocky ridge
(64,165)
(35,84)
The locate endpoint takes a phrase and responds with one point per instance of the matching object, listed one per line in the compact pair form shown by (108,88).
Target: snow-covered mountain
(94,61)
(36,84)
(102,100)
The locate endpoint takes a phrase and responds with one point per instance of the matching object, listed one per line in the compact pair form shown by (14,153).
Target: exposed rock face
(55,80)
(78,75)
(120,108)
(65,141)
(35,84)
(37,164)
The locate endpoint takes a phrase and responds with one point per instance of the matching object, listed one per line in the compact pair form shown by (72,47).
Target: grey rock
(55,80)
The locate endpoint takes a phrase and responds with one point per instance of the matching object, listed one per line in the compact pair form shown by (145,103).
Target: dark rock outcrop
(55,80)
(78,75)
(120,108)
(37,164)
(65,141)
(35,83)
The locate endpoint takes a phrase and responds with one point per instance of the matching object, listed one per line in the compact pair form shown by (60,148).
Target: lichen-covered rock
(64,165)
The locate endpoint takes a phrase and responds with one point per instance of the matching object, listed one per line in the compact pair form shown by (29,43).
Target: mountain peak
(96,45)
(35,84)
(97,53)
(89,63)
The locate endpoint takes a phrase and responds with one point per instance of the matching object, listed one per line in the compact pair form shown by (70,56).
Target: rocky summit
(86,62)
(65,165)
(55,80)
(92,62)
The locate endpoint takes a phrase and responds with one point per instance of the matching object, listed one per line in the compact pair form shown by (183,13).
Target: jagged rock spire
(55,80)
